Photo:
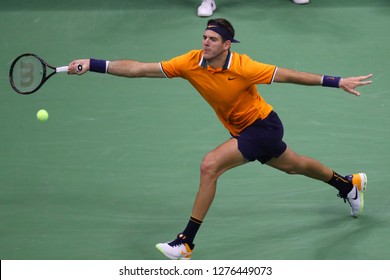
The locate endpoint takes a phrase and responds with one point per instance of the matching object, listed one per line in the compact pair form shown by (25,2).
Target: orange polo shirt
(231,91)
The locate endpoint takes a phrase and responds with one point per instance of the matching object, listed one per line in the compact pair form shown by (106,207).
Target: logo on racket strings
(26,74)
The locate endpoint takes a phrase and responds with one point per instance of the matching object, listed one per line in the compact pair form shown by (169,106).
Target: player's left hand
(349,84)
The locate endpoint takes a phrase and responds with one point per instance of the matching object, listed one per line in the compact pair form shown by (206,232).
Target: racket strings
(27,74)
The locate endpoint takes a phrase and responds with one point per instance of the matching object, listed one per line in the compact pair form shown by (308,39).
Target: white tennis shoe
(300,2)
(207,8)
(355,197)
(175,251)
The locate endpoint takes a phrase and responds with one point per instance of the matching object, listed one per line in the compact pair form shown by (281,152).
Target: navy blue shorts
(262,140)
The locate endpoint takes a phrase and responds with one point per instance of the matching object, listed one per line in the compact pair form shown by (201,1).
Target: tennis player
(227,81)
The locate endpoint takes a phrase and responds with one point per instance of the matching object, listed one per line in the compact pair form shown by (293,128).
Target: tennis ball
(42,115)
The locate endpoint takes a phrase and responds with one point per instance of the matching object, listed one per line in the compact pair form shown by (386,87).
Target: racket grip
(66,68)
(62,69)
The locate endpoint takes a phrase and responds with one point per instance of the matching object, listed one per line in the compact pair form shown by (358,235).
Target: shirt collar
(226,66)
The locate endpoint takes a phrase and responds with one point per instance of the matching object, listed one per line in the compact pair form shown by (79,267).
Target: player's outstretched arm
(284,75)
(124,68)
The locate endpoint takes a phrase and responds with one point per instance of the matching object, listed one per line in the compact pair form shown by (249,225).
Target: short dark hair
(222,23)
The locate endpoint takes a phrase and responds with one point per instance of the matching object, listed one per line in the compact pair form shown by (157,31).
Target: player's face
(213,45)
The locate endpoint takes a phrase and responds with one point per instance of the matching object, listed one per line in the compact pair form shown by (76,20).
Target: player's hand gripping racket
(29,72)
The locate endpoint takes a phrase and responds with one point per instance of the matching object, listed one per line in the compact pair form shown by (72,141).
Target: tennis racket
(29,72)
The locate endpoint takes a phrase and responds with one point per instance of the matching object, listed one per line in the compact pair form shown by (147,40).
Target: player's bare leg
(292,163)
(351,187)
(214,164)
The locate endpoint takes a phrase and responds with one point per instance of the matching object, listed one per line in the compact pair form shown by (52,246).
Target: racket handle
(66,68)
(62,69)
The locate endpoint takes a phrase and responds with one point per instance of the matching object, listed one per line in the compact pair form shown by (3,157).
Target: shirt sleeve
(175,67)
(258,72)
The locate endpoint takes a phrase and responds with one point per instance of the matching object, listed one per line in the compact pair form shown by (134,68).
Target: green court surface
(115,169)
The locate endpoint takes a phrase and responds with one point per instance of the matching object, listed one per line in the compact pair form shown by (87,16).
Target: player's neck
(218,61)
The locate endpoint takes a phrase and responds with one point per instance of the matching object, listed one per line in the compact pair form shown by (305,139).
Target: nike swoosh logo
(231,78)
(356,194)
(185,254)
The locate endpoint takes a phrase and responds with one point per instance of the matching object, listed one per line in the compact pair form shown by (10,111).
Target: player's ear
(227,44)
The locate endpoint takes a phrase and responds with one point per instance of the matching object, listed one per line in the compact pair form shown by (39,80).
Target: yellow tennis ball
(42,115)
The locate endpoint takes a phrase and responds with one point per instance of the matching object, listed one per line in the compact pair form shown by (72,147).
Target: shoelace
(344,198)
(176,242)
(179,241)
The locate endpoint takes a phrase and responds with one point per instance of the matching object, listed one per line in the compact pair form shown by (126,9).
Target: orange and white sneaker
(355,197)
(176,250)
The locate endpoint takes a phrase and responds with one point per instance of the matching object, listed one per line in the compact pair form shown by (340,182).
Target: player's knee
(291,171)
(208,167)
(293,168)
(298,167)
